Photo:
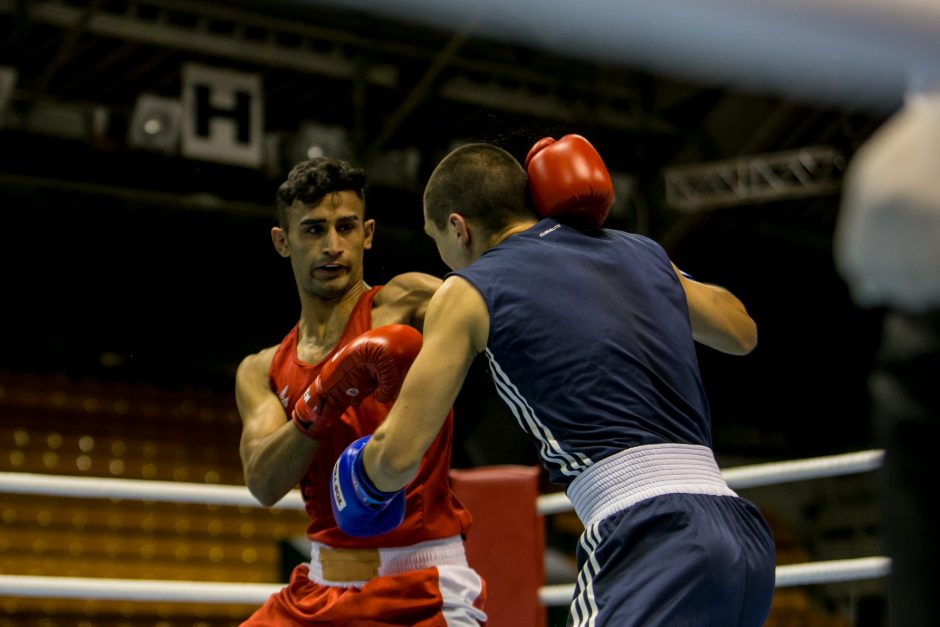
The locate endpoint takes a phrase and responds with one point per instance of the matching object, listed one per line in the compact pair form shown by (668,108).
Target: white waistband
(400,559)
(642,472)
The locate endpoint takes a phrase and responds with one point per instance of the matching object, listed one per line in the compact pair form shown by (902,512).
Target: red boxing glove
(569,181)
(373,363)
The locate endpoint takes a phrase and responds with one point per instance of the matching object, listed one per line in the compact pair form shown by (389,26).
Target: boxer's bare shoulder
(404,299)
(252,388)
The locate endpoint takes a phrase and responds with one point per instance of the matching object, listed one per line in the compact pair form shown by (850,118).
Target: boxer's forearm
(391,459)
(275,464)
(718,318)
(273,452)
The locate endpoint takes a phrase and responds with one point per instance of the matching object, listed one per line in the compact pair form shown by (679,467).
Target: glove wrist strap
(313,429)
(370,494)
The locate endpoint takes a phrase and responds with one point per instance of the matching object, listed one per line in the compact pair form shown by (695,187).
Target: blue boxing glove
(361,509)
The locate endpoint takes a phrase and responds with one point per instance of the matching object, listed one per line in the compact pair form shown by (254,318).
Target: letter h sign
(222,116)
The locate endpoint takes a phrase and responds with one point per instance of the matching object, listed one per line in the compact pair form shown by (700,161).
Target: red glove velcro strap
(310,415)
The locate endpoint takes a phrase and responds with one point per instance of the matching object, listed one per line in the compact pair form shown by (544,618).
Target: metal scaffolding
(811,171)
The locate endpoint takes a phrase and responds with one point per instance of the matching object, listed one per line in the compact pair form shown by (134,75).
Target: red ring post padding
(506,544)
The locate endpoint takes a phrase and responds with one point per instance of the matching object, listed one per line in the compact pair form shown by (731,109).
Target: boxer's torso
(590,344)
(432,509)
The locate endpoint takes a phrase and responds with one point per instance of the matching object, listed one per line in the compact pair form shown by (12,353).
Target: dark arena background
(142,141)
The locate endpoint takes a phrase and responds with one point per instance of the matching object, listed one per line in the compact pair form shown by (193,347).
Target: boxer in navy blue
(590,334)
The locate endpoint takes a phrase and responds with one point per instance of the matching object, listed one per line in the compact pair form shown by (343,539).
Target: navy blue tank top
(590,344)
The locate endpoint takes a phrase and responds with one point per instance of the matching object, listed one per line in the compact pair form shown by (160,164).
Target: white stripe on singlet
(550,450)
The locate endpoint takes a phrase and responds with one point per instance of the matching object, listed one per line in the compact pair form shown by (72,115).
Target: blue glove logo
(338,499)
(360,509)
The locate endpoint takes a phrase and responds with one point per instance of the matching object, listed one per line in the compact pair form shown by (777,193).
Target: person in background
(887,248)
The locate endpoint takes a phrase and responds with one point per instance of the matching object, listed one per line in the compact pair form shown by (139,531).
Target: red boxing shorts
(426,585)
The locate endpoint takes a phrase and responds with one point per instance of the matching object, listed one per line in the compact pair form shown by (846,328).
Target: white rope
(802,469)
(833,571)
(179,492)
(136,489)
(256,594)
(216,592)
(102,589)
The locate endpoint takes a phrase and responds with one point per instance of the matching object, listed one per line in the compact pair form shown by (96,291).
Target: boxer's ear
(460,229)
(279,239)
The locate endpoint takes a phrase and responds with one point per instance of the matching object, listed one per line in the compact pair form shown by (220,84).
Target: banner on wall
(222,116)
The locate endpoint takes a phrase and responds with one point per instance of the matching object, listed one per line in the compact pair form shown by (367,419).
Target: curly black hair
(313,179)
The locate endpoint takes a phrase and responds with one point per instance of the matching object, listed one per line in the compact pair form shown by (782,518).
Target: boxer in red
(332,380)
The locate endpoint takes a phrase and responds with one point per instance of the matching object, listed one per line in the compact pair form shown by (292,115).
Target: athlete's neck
(322,320)
(510,230)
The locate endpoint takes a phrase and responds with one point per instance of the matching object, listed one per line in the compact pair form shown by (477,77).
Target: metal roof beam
(812,171)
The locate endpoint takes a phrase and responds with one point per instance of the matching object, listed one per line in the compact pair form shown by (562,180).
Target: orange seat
(506,543)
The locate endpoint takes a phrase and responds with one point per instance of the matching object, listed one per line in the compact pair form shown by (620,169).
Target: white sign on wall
(222,116)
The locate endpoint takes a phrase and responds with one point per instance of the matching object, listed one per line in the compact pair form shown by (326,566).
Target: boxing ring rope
(104,589)
(219,592)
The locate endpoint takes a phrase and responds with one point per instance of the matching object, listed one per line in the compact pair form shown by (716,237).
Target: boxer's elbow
(256,484)
(265,486)
(729,330)
(738,342)
(264,491)
(745,339)
(266,498)
(391,467)
(750,340)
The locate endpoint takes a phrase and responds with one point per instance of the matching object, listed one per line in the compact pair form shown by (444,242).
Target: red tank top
(432,510)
